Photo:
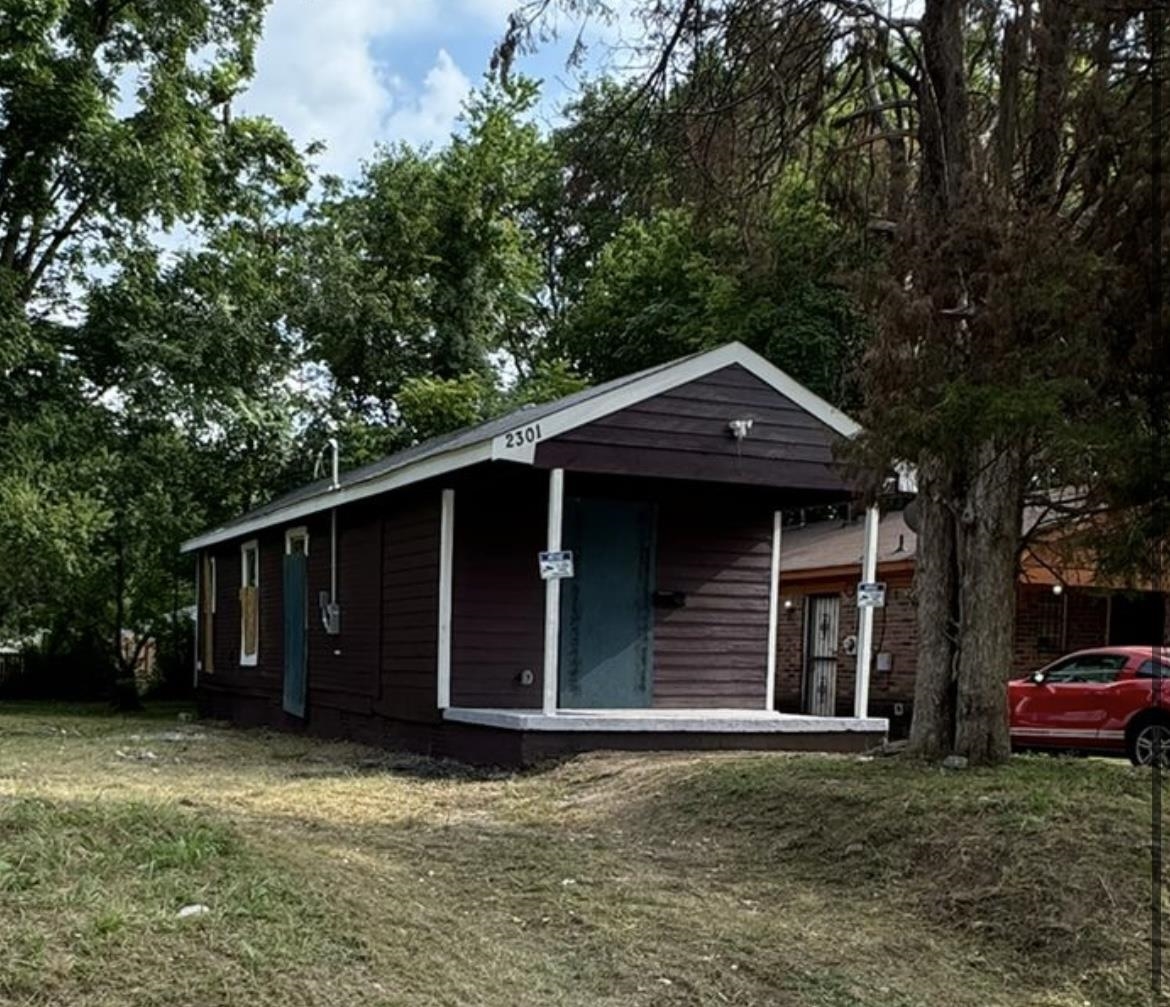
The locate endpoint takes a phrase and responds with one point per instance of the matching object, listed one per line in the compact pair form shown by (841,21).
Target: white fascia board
(411,473)
(810,402)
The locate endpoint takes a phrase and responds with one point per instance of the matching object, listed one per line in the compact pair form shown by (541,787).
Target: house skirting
(526,737)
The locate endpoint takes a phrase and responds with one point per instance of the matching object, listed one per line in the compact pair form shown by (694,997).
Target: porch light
(1058,589)
(739,428)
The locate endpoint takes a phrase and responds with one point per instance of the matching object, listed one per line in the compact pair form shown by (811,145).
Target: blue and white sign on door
(556,565)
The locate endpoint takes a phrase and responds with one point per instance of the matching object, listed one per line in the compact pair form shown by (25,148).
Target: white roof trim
(425,468)
(515,446)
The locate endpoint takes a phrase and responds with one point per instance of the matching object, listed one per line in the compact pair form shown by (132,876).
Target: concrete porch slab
(638,721)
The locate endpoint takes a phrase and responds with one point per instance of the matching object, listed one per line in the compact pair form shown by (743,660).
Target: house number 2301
(525,435)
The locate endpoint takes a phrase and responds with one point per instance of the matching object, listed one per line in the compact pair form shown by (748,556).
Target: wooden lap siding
(712,652)
(410,606)
(387,568)
(683,434)
(343,669)
(226,621)
(497,625)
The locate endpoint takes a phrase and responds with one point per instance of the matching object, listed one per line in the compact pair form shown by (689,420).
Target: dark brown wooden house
(404,603)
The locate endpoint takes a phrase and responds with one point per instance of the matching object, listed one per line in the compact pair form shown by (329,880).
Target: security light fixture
(739,428)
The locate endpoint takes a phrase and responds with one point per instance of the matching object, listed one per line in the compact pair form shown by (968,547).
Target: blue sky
(354,73)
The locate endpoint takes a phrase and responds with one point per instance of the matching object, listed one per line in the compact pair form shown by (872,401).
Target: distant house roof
(832,547)
(489,441)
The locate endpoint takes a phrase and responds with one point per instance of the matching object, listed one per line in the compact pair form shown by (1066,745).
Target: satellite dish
(910,515)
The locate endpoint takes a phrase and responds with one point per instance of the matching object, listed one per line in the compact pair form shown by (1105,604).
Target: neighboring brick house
(816,657)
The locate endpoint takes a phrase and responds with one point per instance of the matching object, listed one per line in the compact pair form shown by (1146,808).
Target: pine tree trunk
(932,727)
(989,539)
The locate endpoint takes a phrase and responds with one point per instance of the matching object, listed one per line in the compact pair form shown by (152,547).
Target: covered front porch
(653,616)
(669,624)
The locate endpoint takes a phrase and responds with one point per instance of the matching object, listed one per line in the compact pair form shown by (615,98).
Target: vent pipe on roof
(335,472)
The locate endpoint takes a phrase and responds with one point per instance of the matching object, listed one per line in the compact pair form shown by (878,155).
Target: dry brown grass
(342,875)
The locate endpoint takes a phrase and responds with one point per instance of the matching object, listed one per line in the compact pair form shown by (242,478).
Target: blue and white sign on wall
(556,565)
(871,595)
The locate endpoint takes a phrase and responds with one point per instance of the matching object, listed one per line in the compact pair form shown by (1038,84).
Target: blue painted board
(606,607)
(296,606)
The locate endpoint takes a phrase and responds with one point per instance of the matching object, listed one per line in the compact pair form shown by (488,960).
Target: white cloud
(328,69)
(428,117)
(317,75)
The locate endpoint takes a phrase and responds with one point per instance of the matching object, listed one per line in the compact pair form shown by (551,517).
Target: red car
(1101,699)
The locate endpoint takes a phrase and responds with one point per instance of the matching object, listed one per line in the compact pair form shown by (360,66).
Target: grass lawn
(342,875)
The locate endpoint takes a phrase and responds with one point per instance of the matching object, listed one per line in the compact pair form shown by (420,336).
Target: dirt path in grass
(347,875)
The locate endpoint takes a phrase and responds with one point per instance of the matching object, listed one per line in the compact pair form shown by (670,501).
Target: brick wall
(894,634)
(1048,625)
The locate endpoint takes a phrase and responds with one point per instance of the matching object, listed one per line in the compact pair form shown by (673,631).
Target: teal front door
(296,608)
(606,607)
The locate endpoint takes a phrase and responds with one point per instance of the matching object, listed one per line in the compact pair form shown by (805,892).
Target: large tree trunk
(932,729)
(989,541)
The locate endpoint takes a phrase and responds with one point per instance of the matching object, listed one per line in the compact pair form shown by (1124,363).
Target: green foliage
(425,267)
(655,294)
(550,379)
(663,288)
(431,406)
(148,411)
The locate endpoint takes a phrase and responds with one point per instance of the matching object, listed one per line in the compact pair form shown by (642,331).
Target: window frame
(252,545)
(293,534)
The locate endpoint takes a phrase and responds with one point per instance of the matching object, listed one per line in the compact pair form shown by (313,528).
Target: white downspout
(336,485)
(446,579)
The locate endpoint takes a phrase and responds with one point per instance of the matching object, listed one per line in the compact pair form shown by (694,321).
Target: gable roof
(490,441)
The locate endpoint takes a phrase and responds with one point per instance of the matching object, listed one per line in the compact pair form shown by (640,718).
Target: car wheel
(1151,740)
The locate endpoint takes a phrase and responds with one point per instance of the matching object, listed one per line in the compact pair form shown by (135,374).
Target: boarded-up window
(249,602)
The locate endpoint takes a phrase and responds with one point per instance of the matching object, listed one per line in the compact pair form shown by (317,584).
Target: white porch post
(773,615)
(552,592)
(446,572)
(865,617)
